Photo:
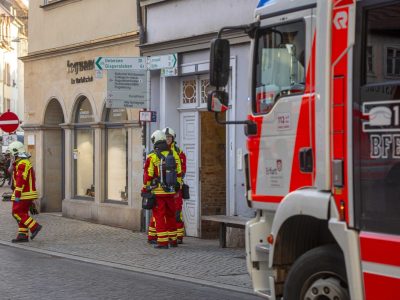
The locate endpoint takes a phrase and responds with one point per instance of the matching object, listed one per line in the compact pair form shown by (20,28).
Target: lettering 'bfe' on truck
(323,141)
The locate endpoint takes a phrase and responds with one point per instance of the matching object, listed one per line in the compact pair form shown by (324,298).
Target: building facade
(215,170)
(88,158)
(13,44)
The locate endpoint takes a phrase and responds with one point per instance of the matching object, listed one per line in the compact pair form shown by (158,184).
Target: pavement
(197,260)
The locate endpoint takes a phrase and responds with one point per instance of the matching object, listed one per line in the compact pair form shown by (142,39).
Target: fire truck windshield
(279,64)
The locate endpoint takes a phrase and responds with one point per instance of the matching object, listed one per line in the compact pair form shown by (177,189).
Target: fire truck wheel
(318,274)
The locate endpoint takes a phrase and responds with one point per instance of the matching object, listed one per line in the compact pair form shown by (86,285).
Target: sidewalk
(197,260)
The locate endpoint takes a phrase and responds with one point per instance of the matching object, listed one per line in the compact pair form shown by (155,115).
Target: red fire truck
(323,139)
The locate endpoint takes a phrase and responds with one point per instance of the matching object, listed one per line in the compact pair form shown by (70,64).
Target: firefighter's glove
(33,209)
(177,187)
(17,199)
(178,216)
(146,194)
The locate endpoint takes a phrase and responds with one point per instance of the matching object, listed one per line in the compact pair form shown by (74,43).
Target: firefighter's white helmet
(17,149)
(169,131)
(157,136)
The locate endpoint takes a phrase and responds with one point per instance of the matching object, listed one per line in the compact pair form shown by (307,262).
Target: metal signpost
(128,86)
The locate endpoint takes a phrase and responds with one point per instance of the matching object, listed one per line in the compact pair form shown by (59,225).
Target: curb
(132,268)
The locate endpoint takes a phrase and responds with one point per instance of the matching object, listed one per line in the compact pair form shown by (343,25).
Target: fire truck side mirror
(217,101)
(219,62)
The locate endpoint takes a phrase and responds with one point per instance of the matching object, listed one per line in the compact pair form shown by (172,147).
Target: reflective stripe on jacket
(182,157)
(24,180)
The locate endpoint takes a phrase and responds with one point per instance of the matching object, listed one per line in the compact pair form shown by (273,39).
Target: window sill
(117,202)
(57,3)
(82,198)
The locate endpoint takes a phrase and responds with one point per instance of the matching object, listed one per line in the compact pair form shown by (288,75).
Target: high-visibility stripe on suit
(25,190)
(164,210)
(180,226)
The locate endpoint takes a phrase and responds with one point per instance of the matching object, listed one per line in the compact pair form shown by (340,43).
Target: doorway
(212,172)
(53,158)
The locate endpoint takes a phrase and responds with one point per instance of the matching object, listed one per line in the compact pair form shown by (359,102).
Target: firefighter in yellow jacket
(162,175)
(24,193)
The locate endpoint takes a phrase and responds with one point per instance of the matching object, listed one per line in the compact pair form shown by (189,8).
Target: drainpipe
(142,32)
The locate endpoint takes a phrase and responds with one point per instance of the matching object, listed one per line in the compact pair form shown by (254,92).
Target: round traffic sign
(9,121)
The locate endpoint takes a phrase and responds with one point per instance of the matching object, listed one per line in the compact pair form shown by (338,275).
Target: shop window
(83,152)
(393,62)
(116,155)
(370,60)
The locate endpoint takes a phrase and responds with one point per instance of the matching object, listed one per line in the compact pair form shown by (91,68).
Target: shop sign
(80,66)
(126,88)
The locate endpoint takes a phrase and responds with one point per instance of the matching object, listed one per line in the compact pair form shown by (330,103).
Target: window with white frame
(370,60)
(194,91)
(392,61)
(189,91)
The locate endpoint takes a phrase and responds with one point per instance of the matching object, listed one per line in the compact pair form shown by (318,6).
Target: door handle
(306,160)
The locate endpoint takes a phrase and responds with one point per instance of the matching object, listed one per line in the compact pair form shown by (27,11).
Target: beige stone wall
(49,78)
(75,21)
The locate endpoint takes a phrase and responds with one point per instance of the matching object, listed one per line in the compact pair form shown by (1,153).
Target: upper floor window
(393,61)
(370,60)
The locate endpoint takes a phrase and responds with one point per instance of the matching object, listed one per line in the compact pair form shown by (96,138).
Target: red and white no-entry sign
(9,121)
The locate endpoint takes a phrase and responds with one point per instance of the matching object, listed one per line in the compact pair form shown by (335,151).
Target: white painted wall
(176,19)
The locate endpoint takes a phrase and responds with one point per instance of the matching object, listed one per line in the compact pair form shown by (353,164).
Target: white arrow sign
(163,61)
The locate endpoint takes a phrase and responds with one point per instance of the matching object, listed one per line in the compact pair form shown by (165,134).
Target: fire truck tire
(318,274)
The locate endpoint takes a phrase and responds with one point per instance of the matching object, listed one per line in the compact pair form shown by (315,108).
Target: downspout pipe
(139,19)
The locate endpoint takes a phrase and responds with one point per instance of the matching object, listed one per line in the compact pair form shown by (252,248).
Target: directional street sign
(163,61)
(120,63)
(126,88)
(169,72)
(9,121)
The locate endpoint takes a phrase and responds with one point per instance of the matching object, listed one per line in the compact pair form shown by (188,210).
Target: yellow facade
(65,37)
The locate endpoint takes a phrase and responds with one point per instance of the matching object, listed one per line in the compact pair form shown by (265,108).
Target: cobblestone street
(195,260)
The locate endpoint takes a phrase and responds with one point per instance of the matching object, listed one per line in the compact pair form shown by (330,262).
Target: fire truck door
(376,113)
(281,104)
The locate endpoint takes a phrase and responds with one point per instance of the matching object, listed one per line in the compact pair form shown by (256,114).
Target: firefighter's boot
(152,242)
(21,238)
(158,246)
(36,231)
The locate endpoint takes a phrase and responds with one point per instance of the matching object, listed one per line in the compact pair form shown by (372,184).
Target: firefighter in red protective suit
(24,193)
(180,226)
(157,177)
